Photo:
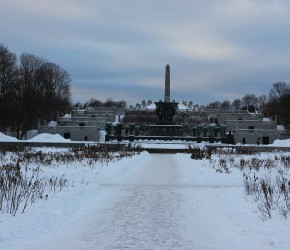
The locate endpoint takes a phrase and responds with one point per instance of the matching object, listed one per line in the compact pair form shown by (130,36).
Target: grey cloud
(216,49)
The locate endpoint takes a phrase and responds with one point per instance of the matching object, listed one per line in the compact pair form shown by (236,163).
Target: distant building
(82,125)
(86,124)
(251,128)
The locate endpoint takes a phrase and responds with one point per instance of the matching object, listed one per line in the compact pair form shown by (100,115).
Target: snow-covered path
(143,211)
(162,203)
(146,215)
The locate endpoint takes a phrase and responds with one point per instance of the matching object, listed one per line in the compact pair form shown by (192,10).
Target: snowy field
(148,201)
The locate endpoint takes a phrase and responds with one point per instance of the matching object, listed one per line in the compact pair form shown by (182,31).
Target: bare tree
(54,82)
(237,104)
(250,100)
(108,103)
(262,100)
(8,68)
(214,105)
(30,88)
(278,90)
(226,104)
(94,103)
(278,103)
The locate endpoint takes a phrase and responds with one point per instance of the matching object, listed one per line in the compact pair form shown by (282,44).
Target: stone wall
(74,133)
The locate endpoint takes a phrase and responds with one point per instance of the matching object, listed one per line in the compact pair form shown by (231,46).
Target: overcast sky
(217,49)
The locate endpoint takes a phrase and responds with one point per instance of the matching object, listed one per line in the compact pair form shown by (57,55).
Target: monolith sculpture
(165,111)
(167,84)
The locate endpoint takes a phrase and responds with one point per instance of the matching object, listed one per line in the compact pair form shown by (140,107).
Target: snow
(181,106)
(148,201)
(7,138)
(281,128)
(165,145)
(67,116)
(281,143)
(152,106)
(52,124)
(102,136)
(266,119)
(45,137)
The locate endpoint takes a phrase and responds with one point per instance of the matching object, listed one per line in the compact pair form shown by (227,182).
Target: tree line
(249,101)
(109,103)
(31,88)
(275,105)
(279,103)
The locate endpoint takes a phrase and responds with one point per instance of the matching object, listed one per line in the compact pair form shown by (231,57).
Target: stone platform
(166,130)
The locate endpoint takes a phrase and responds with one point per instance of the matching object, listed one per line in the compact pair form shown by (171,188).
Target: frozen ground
(149,201)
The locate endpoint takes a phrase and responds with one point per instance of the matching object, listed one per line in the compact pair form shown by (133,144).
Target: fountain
(165,111)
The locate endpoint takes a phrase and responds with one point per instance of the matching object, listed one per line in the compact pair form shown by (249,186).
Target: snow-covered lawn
(148,201)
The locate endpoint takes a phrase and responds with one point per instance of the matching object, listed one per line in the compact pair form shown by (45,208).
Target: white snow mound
(7,138)
(45,137)
(282,143)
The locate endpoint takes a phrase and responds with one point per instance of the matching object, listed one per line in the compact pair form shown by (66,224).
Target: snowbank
(45,137)
(282,143)
(52,124)
(7,138)
(67,116)
(102,135)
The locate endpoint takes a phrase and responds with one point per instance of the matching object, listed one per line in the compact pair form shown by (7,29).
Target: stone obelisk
(167,84)
(166,110)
